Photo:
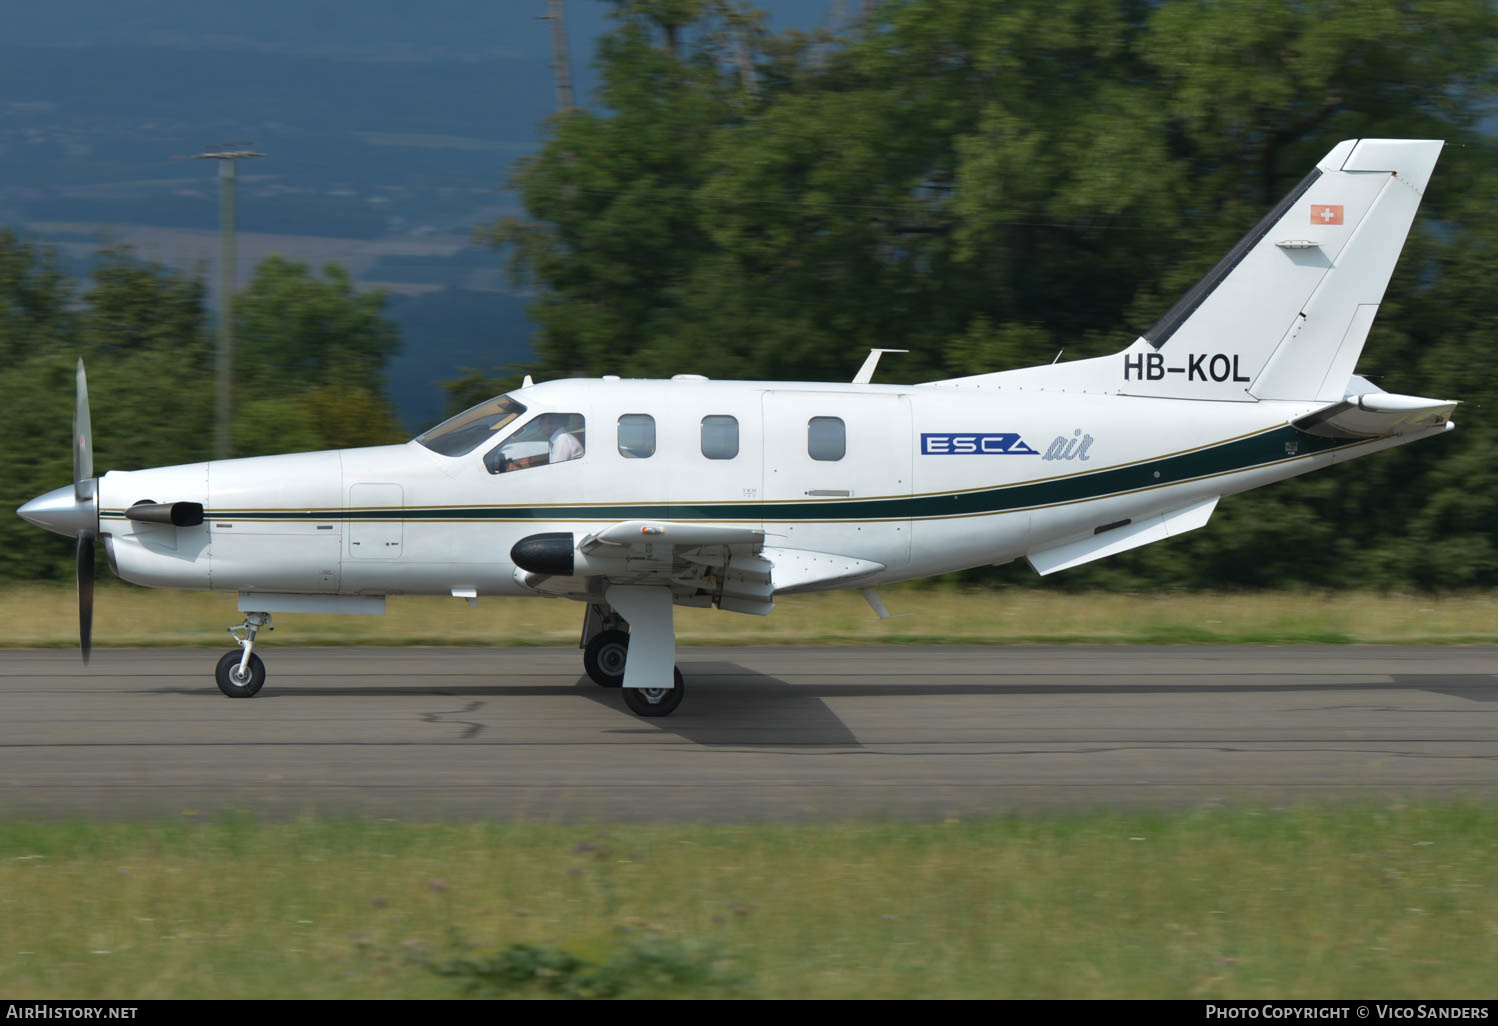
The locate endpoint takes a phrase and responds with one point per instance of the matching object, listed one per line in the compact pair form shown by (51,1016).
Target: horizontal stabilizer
(1109,540)
(1376,415)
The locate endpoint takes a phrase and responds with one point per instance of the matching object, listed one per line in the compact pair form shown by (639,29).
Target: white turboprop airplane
(634,496)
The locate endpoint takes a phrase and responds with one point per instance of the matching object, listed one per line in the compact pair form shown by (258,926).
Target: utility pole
(747,78)
(560,63)
(228,157)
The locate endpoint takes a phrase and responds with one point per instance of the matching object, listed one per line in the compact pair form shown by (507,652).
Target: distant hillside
(351,148)
(384,31)
(388,131)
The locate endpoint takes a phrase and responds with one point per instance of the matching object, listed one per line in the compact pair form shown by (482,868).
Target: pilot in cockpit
(564,444)
(549,438)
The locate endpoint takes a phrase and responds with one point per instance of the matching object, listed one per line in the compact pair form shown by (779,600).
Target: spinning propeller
(85,487)
(74,511)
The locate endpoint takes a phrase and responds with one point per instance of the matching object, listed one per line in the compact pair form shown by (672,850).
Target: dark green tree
(310,362)
(35,298)
(986,184)
(293,329)
(133,306)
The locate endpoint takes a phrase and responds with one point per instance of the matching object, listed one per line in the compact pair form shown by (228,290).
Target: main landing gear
(605,656)
(635,660)
(241,674)
(656,701)
(604,659)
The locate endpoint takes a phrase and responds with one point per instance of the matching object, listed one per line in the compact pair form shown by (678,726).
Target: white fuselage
(931,479)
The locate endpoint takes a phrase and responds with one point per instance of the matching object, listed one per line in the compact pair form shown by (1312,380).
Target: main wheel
(604,657)
(655,701)
(229,680)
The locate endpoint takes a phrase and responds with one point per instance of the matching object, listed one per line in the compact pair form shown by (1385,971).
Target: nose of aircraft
(62,512)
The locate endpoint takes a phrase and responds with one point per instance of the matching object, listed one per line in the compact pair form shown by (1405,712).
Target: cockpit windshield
(460,435)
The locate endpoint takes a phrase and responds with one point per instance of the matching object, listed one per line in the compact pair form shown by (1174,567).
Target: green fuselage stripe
(1273,446)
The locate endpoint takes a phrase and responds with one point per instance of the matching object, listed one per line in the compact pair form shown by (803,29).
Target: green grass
(1400,902)
(43,616)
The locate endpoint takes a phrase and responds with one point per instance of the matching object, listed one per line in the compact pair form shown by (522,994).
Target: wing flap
(803,570)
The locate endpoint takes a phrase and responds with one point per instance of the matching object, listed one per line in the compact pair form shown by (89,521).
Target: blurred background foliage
(983,184)
(309,374)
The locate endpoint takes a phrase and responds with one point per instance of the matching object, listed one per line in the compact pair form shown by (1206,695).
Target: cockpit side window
(546,439)
(460,435)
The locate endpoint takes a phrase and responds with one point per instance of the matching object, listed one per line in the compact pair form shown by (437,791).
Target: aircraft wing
(654,532)
(703,564)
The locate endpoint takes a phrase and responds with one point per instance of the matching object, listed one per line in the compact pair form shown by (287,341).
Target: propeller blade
(83,443)
(85,591)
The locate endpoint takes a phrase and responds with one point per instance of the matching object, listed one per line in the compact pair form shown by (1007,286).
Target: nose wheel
(237,683)
(241,674)
(656,701)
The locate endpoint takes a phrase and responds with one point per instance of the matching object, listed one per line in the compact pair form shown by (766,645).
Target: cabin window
(720,437)
(636,436)
(826,438)
(460,435)
(548,438)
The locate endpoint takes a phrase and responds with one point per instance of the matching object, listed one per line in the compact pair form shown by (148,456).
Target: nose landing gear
(242,674)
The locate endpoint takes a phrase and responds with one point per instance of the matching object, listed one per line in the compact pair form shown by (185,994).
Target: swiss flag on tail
(1326,213)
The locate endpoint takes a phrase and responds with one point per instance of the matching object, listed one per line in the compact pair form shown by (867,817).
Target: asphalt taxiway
(764,734)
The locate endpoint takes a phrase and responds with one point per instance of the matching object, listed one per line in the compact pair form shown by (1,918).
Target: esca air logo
(967,443)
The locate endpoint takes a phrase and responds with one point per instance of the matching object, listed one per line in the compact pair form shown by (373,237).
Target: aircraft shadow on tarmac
(729,705)
(726,705)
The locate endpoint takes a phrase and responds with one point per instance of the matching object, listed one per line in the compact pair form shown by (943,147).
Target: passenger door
(837,473)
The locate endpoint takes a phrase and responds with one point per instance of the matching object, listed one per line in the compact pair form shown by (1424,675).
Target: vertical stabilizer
(1285,313)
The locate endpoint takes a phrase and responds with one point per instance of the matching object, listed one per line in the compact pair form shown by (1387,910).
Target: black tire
(228,671)
(655,701)
(604,657)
